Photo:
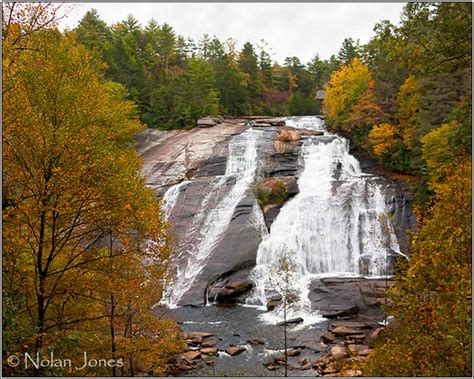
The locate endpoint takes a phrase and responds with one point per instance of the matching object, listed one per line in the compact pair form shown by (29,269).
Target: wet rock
(210,342)
(296,320)
(256,341)
(344,331)
(242,238)
(309,132)
(293,352)
(196,336)
(327,336)
(273,121)
(228,289)
(282,147)
(351,324)
(339,310)
(261,125)
(273,302)
(339,352)
(312,346)
(288,135)
(209,350)
(190,356)
(234,350)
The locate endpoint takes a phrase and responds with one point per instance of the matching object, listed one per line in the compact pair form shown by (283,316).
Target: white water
(171,197)
(241,165)
(337,218)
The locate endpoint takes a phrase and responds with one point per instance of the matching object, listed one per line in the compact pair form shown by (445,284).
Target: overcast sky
(289,29)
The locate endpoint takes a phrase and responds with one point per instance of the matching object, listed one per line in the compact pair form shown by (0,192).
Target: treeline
(405,100)
(175,80)
(85,248)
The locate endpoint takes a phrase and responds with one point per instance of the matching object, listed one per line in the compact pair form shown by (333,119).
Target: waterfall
(336,225)
(171,197)
(241,167)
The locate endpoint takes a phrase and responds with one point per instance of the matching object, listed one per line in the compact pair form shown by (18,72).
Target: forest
(86,248)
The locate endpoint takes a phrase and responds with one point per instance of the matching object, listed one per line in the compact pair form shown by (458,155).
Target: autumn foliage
(432,300)
(85,247)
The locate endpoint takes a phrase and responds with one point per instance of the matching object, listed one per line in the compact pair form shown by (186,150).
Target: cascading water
(335,226)
(241,166)
(171,197)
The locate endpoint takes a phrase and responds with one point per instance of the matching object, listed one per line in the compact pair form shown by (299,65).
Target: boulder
(339,310)
(273,302)
(354,349)
(344,331)
(288,135)
(191,355)
(210,342)
(228,289)
(312,346)
(256,341)
(327,336)
(339,352)
(234,350)
(351,324)
(322,362)
(283,147)
(331,369)
(293,352)
(208,122)
(296,320)
(198,335)
(306,366)
(209,350)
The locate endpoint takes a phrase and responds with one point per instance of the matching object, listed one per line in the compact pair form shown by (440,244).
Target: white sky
(289,29)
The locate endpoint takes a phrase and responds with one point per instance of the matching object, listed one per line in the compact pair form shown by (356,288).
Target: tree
(343,90)
(348,51)
(432,297)
(93,32)
(382,138)
(283,282)
(71,180)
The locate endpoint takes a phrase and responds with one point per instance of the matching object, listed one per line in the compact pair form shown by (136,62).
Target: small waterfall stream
(241,167)
(336,225)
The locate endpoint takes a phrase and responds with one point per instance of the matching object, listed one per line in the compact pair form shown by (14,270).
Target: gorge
(343,225)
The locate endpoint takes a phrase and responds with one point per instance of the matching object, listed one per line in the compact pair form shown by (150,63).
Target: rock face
(343,297)
(173,156)
(199,157)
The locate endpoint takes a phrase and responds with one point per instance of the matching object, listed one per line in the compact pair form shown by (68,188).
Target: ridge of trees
(175,80)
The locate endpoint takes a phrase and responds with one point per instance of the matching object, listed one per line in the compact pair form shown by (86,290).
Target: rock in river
(234,350)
